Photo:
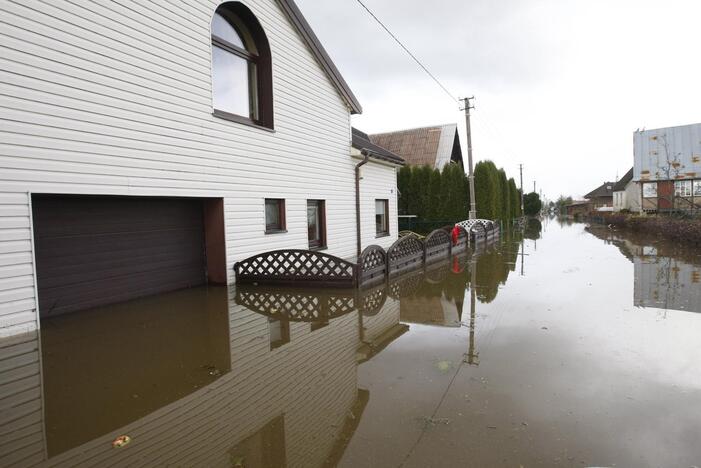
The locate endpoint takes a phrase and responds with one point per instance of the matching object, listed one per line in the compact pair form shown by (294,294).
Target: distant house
(577,208)
(668,167)
(435,146)
(601,198)
(626,193)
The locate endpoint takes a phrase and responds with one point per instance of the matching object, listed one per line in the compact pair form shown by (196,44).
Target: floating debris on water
(121,441)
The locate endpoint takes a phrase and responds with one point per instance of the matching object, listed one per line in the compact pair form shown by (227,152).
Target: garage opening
(98,250)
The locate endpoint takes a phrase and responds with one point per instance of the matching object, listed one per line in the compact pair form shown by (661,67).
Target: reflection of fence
(295,305)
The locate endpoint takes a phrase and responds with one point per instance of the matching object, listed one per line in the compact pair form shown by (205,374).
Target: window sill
(382,234)
(275,231)
(240,119)
(316,249)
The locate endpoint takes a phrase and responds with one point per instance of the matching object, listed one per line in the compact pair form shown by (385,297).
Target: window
(697,188)
(382,217)
(241,67)
(279,332)
(274,215)
(682,188)
(316,223)
(650,190)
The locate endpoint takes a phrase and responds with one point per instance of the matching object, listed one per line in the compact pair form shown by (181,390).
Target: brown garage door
(93,251)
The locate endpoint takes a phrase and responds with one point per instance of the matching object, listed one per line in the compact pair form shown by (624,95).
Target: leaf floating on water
(121,441)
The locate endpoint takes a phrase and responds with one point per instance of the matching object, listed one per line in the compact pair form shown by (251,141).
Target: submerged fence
(294,267)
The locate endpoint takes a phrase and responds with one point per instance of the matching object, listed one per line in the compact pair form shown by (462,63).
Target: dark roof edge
(382,157)
(621,184)
(298,20)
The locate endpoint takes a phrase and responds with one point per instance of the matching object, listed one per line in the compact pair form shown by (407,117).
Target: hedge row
(431,194)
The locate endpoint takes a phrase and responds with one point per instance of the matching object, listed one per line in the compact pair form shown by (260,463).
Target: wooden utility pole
(470,174)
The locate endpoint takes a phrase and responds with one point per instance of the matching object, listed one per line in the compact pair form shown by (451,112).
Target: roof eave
(382,157)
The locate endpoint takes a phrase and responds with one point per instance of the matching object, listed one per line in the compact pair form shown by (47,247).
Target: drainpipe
(366,157)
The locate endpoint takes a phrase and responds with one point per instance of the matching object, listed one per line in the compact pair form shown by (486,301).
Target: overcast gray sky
(560,84)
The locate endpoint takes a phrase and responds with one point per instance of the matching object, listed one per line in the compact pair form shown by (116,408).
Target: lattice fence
(405,254)
(437,245)
(478,233)
(295,305)
(372,265)
(296,266)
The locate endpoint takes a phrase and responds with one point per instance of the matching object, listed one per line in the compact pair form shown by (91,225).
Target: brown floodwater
(565,345)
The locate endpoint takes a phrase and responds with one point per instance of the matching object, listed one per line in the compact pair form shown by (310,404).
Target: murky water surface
(573,346)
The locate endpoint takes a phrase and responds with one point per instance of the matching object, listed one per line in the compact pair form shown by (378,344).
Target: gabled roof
(361,141)
(300,23)
(605,190)
(621,184)
(436,146)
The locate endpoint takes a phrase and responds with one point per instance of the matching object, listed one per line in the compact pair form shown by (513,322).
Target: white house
(626,193)
(147,146)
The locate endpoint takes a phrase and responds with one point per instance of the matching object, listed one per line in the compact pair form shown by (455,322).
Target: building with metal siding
(667,164)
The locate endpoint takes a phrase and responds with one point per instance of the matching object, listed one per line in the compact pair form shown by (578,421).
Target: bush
(434,195)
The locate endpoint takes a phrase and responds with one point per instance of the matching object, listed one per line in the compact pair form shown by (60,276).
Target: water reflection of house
(438,299)
(280,404)
(667,283)
(663,277)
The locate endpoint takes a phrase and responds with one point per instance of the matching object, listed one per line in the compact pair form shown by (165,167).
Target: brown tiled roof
(419,146)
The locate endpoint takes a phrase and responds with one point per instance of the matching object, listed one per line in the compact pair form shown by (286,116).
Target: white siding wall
(632,197)
(619,200)
(378,182)
(21,408)
(114,98)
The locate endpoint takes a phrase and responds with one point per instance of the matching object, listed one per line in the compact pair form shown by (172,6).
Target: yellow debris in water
(121,441)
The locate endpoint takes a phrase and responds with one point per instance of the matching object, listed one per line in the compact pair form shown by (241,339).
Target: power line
(408,52)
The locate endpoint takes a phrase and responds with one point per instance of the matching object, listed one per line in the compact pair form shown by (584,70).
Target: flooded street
(574,346)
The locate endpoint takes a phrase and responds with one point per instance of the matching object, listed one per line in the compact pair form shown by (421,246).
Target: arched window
(241,72)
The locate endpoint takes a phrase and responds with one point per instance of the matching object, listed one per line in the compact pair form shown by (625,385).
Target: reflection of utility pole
(523,254)
(470,174)
(472,355)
